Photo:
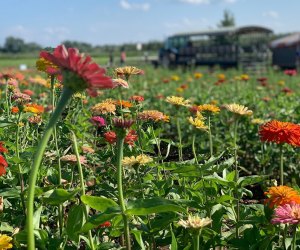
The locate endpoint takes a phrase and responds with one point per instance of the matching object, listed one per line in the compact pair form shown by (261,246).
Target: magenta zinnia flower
(79,71)
(287,214)
(98,121)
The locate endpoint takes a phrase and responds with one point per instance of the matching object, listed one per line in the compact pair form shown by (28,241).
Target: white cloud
(195,1)
(271,13)
(229,1)
(207,1)
(134,6)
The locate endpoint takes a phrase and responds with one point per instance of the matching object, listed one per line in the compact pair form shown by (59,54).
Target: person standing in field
(123,56)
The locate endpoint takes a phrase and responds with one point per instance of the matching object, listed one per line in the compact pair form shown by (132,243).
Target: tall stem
(21,180)
(196,240)
(6,98)
(236,176)
(294,244)
(194,149)
(120,144)
(157,142)
(66,95)
(210,138)
(60,207)
(82,185)
(281,165)
(180,139)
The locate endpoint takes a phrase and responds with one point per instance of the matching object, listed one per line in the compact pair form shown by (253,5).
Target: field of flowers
(144,158)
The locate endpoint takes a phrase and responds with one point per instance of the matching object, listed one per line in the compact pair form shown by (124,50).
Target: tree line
(15,45)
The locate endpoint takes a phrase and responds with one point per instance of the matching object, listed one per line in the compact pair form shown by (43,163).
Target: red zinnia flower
(131,137)
(280,132)
(137,98)
(2,148)
(3,165)
(290,72)
(89,74)
(110,137)
(287,90)
(105,224)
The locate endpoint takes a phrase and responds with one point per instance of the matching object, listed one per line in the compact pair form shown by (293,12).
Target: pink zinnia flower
(28,92)
(86,73)
(290,72)
(98,121)
(287,214)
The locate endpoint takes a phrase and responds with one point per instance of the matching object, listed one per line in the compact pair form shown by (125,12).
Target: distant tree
(228,20)
(32,47)
(81,46)
(14,45)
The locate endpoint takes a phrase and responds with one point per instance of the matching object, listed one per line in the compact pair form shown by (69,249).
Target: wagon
(286,51)
(227,47)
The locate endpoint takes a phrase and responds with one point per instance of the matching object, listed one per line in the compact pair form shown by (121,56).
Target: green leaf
(174,241)
(37,217)
(98,219)
(58,196)
(6,124)
(153,205)
(5,227)
(11,192)
(98,203)
(138,238)
(224,198)
(249,180)
(76,219)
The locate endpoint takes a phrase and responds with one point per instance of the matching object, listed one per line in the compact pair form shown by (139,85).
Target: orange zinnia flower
(123,104)
(15,110)
(34,108)
(281,195)
(280,132)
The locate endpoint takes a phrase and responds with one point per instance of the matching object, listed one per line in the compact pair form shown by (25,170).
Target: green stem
(82,185)
(180,139)
(21,179)
(6,98)
(193,148)
(157,142)
(294,245)
(120,145)
(281,164)
(66,95)
(210,138)
(59,176)
(284,236)
(196,240)
(236,177)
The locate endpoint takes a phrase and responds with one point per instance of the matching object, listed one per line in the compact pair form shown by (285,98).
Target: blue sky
(117,21)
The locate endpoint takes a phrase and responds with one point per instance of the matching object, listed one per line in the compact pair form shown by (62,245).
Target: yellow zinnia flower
(221,77)
(198,75)
(195,222)
(176,100)
(257,121)
(128,71)
(209,107)
(153,115)
(139,160)
(5,242)
(245,77)
(238,109)
(42,65)
(104,107)
(175,78)
(198,122)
